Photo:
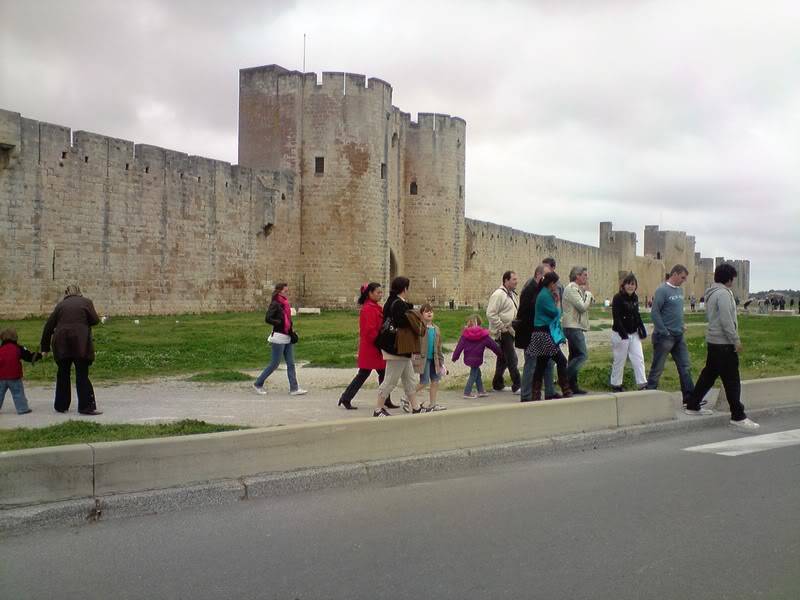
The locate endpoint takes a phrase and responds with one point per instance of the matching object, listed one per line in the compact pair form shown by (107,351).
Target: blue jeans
(474,379)
(676,346)
(549,387)
(17,394)
(576,341)
(287,352)
(526,383)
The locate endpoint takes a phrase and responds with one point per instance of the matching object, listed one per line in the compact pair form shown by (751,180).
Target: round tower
(434,193)
(335,137)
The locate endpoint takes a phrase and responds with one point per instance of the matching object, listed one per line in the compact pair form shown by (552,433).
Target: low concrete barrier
(155,463)
(640,408)
(91,470)
(765,393)
(46,474)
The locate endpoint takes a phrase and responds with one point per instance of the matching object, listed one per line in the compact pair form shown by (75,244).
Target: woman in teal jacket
(546,337)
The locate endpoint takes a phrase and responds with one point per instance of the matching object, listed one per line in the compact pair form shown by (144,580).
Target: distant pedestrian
(431,362)
(11,357)
(523,327)
(627,331)
(692,302)
(576,302)
(549,266)
(669,332)
(474,340)
(282,340)
(782,303)
(399,339)
(723,349)
(69,332)
(369,355)
(501,310)
(547,336)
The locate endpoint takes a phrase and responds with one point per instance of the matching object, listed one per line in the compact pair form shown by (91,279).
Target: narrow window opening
(283,196)
(53,267)
(226,184)
(181,175)
(198,180)
(127,166)
(658,255)
(319,165)
(147,169)
(394,140)
(268,229)
(461,192)
(383,170)
(63,155)
(86,159)
(458,143)
(413,190)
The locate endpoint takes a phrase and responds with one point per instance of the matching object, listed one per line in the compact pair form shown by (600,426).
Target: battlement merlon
(276,79)
(10,129)
(438,122)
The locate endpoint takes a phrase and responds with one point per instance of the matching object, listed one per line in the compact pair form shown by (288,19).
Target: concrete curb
(396,471)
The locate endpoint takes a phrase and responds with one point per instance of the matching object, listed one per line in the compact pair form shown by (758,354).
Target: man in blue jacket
(669,331)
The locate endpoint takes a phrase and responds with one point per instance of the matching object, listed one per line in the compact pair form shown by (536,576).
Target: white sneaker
(259,390)
(298,392)
(745,425)
(516,393)
(698,413)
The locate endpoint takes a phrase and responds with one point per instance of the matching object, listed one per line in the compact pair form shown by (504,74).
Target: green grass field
(217,347)
(84,432)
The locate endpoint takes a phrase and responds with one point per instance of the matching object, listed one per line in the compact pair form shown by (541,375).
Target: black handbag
(293,337)
(387,337)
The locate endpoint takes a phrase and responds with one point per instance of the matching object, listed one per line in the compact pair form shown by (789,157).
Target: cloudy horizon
(677,114)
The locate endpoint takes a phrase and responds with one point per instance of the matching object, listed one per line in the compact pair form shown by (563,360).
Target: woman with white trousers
(627,334)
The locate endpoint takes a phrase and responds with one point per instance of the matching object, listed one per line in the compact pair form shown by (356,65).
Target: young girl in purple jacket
(474,339)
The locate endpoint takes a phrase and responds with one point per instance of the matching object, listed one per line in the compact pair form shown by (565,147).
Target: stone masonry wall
(434,215)
(142,229)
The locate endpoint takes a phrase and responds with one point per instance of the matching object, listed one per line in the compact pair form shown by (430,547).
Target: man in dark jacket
(523,326)
(68,331)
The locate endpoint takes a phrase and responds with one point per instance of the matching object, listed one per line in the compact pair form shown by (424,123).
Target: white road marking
(748,445)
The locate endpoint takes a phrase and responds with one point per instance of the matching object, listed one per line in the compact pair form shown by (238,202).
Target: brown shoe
(92,412)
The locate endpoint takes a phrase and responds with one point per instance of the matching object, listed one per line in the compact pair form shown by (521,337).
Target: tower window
(460,191)
(383,170)
(413,189)
(319,165)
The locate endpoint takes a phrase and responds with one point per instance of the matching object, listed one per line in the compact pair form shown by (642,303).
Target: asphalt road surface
(644,519)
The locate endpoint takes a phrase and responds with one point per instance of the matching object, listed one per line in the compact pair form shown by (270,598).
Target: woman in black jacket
(279,315)
(627,334)
(398,364)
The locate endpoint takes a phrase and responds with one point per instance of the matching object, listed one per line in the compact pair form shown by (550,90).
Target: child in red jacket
(11,355)
(474,340)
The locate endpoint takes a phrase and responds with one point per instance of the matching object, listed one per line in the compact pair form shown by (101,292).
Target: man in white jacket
(501,311)
(576,302)
(723,349)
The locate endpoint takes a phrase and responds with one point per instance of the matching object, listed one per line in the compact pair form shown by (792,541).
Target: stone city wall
(142,229)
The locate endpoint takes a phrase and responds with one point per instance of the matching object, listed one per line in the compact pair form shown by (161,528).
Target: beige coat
(575,304)
(501,310)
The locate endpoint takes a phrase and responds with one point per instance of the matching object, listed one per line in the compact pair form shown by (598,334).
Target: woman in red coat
(369,355)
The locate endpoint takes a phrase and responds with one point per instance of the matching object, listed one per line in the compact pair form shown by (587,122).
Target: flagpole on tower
(304,53)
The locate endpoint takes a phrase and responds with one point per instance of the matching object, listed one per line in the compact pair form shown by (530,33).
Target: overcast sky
(681,114)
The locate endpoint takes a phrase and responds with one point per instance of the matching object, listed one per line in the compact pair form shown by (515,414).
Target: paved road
(644,519)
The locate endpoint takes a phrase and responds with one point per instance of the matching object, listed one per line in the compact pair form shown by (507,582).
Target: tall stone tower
(434,206)
(335,136)
(380,195)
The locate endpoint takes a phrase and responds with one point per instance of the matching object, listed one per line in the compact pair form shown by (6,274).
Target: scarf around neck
(287,311)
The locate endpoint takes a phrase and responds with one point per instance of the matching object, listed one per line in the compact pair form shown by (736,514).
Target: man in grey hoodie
(723,349)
